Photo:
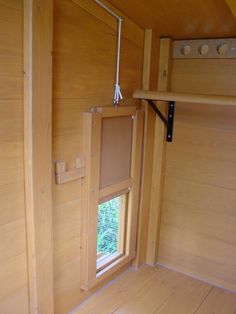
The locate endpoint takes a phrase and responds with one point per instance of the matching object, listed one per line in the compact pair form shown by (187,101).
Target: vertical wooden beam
(134,197)
(150,59)
(38,26)
(159,155)
(92,128)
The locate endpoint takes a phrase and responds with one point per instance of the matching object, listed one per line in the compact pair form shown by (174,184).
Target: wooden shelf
(189,98)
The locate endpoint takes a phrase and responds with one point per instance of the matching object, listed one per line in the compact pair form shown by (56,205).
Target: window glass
(110,235)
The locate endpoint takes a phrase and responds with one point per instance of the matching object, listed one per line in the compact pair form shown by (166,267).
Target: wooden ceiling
(181,19)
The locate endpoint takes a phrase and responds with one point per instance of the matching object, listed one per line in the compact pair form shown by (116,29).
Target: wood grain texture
(90,199)
(149,79)
(182,19)
(159,152)
(13,257)
(219,100)
(134,194)
(158,290)
(38,28)
(199,218)
(84,54)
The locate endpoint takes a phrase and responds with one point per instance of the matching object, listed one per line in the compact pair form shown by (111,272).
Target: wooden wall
(84,56)
(198,228)
(13,257)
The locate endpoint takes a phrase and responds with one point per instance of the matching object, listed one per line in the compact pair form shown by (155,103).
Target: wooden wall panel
(198,228)
(13,260)
(84,71)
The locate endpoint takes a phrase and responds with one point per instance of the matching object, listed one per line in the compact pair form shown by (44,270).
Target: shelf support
(169,122)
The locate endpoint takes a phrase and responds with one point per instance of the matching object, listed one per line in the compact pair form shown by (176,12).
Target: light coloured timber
(134,194)
(115,190)
(149,59)
(199,191)
(122,224)
(116,111)
(187,98)
(158,155)
(90,200)
(38,25)
(70,175)
(158,290)
(105,261)
(110,270)
(60,167)
(62,175)
(14,294)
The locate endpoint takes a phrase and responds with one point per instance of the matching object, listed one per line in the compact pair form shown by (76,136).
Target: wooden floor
(158,290)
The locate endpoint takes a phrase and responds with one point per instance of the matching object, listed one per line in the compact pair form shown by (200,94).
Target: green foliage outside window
(108,225)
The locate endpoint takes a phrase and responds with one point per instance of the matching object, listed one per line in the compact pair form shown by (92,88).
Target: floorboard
(158,291)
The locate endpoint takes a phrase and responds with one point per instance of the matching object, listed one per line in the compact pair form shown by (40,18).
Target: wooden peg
(60,167)
(80,162)
(62,175)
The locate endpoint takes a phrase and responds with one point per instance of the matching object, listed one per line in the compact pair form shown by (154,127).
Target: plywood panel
(116,146)
(199,217)
(84,54)
(13,260)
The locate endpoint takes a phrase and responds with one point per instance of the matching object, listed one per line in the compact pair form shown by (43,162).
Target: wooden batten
(112,112)
(92,146)
(150,54)
(187,98)
(158,156)
(38,159)
(115,189)
(135,190)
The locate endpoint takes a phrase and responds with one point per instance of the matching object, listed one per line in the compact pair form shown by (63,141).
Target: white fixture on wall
(205,48)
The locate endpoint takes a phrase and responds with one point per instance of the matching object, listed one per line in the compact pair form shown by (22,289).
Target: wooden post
(151,45)
(38,26)
(158,156)
(132,219)
(92,147)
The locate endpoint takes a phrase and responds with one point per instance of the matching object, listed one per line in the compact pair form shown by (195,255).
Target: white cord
(108,10)
(117,92)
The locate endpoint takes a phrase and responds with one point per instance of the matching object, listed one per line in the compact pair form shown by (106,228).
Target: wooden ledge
(189,98)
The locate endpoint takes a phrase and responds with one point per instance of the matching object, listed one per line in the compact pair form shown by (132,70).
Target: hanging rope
(117,92)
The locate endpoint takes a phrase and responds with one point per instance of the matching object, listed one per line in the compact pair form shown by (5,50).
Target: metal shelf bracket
(169,122)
